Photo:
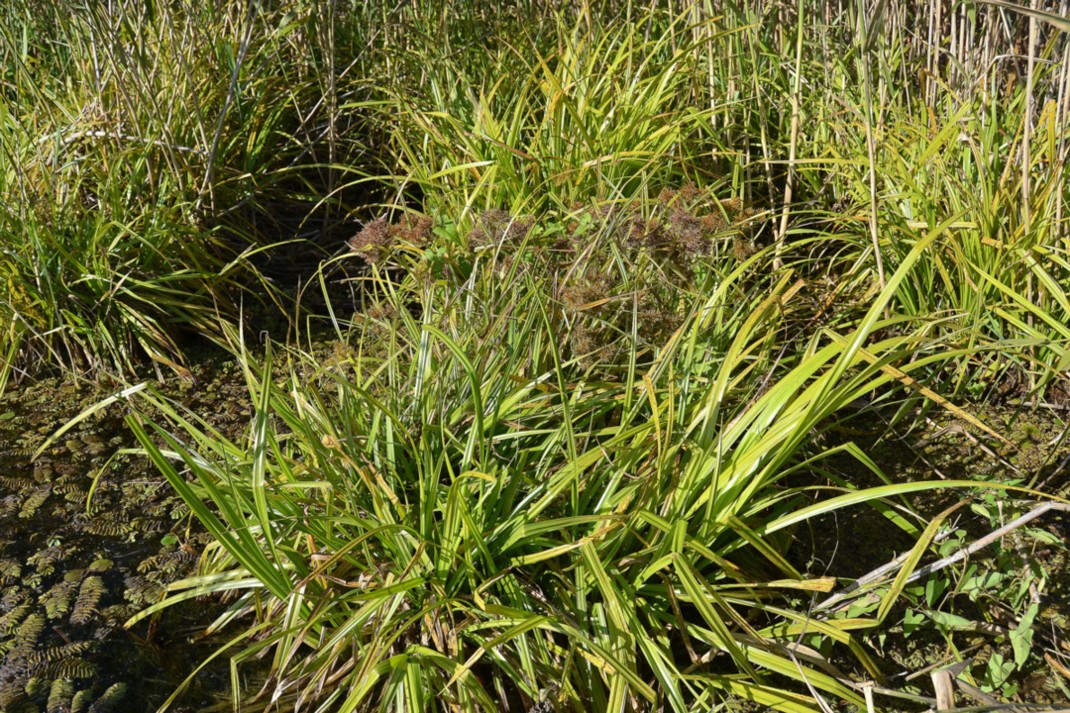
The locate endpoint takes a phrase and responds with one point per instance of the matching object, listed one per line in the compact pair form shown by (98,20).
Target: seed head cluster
(619,270)
(379,237)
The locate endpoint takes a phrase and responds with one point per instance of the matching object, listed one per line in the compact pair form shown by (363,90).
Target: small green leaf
(862,606)
(934,589)
(1043,536)
(998,672)
(911,621)
(1022,636)
(951,621)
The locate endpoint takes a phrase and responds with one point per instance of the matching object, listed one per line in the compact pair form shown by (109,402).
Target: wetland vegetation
(663,356)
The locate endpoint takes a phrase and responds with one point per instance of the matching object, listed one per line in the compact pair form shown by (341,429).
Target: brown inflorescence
(696,218)
(372,242)
(378,237)
(498,227)
(666,240)
(414,230)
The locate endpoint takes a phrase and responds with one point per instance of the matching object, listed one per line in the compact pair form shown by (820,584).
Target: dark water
(71,575)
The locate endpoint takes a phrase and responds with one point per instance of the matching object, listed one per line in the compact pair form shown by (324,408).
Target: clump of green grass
(459,510)
(551,460)
(588,111)
(1000,276)
(137,146)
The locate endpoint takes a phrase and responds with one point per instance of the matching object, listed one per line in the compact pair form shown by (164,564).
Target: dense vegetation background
(583,318)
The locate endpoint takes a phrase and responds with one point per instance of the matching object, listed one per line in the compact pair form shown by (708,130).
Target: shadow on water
(72,575)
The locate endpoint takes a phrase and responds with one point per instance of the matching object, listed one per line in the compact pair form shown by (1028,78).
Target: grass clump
(468,509)
(587,111)
(999,274)
(139,145)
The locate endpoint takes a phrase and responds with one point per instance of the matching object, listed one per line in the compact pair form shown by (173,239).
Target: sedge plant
(463,511)
(139,145)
